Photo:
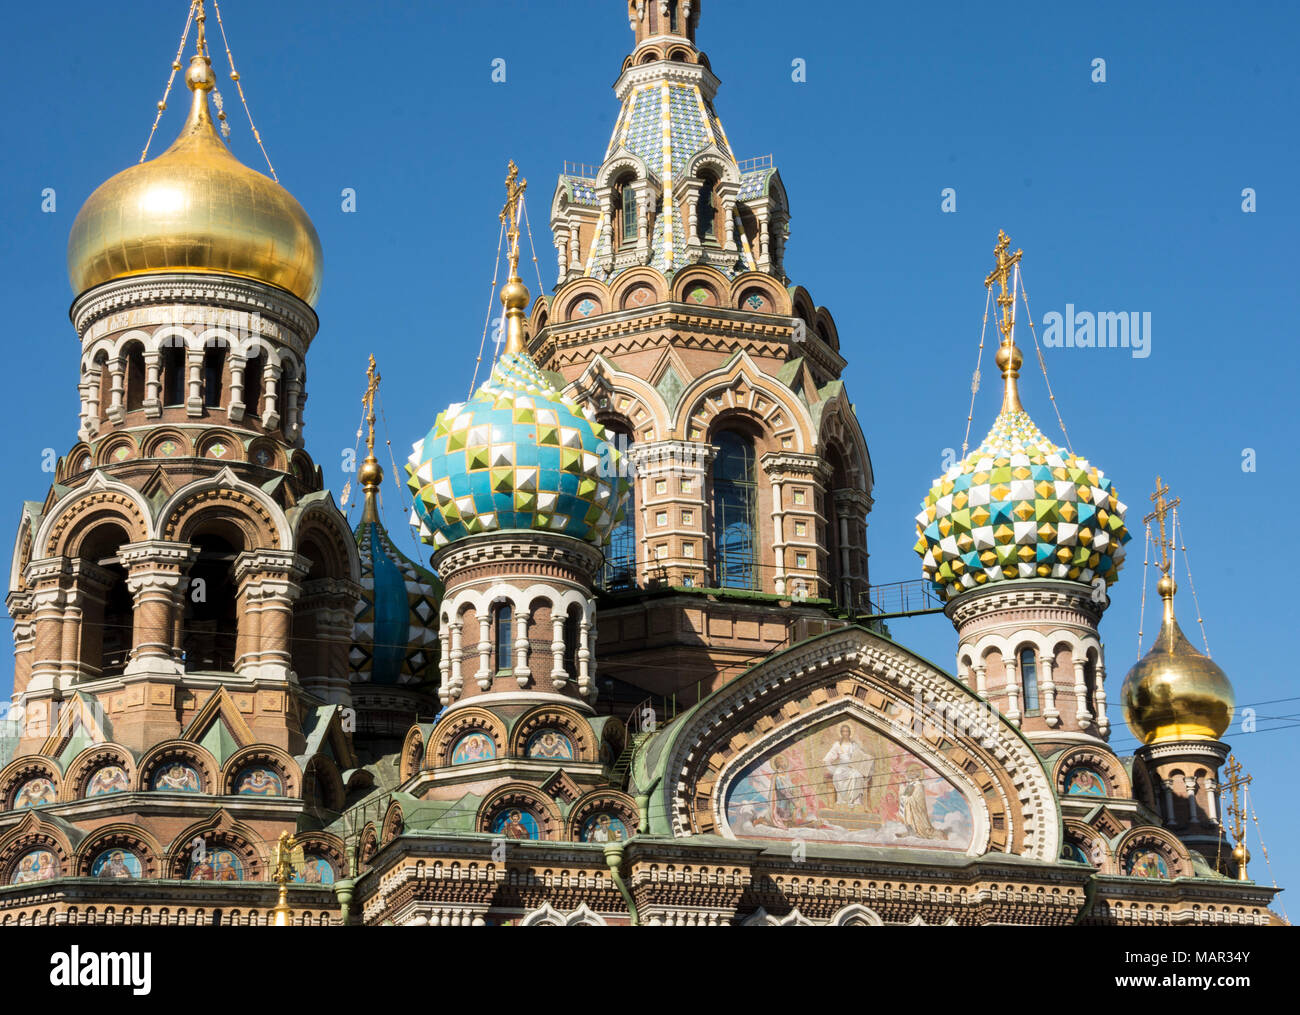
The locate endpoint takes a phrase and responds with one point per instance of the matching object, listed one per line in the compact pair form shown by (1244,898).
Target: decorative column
(1189,784)
(522,674)
(1211,800)
(237,407)
(559,675)
(48,580)
(586,659)
(1099,695)
(194,369)
(1011,672)
(1169,802)
(782,468)
(157,578)
(153,384)
(1047,667)
(268,582)
(1081,692)
(560,235)
(484,675)
(979,679)
(24,632)
(271,414)
(116,374)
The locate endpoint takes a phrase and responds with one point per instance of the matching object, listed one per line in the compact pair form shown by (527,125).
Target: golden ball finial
(1167,587)
(514,295)
(199,75)
(1008,354)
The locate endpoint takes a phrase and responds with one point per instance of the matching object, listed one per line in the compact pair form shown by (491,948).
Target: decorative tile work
(1020,507)
(518,455)
(395,631)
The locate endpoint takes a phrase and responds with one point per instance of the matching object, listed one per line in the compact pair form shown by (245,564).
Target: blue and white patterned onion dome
(1020,507)
(517,455)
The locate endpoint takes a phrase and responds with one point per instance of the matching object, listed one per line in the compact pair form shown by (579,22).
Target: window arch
(108,621)
(706,207)
(214,368)
(173,374)
(253,383)
(572,632)
(735,511)
(503,636)
(1029,679)
(134,394)
(627,213)
(211,621)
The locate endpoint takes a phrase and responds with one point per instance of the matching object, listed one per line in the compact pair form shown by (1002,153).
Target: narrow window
(214,366)
(504,642)
(134,378)
(1029,679)
(629,214)
(735,503)
(173,375)
(253,385)
(704,210)
(571,632)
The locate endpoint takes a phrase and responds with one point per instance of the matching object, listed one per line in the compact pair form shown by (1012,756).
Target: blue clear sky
(1126,196)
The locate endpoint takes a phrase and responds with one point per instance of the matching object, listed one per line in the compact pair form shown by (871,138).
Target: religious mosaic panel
(216,865)
(473,747)
(844,782)
(178,777)
(37,865)
(116,863)
(1084,781)
(109,779)
(258,780)
(516,823)
(549,744)
(604,827)
(35,793)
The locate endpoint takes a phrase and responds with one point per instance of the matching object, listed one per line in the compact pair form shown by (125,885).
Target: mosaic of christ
(844,782)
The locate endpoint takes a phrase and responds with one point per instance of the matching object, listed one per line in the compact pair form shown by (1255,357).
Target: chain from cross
(1163,507)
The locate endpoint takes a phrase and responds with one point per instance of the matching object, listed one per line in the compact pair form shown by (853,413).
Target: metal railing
(581,170)
(749,165)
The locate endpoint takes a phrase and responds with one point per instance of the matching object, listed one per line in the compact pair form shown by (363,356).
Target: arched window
(572,631)
(629,214)
(134,395)
(211,621)
(1029,679)
(173,375)
(253,374)
(619,571)
(735,511)
(105,384)
(672,15)
(107,623)
(1090,684)
(214,368)
(706,207)
(503,636)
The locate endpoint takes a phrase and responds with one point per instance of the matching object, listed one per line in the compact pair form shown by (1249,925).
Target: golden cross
(1163,507)
(515,188)
(1000,274)
(1235,784)
(368,402)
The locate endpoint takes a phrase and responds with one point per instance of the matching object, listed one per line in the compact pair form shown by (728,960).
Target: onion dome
(1175,692)
(518,454)
(1018,506)
(395,633)
(195,208)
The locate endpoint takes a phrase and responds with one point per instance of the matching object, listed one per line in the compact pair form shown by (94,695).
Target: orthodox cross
(1163,507)
(1000,274)
(515,188)
(368,403)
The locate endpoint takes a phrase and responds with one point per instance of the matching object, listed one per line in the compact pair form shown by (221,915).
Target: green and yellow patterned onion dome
(517,455)
(1020,507)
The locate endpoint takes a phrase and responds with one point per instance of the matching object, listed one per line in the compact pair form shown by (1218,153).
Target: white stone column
(1047,687)
(561,252)
(1011,669)
(1081,693)
(559,675)
(194,367)
(116,369)
(979,678)
(1169,801)
(1099,696)
(153,384)
(586,658)
(271,386)
(484,675)
(237,406)
(1211,800)
(522,673)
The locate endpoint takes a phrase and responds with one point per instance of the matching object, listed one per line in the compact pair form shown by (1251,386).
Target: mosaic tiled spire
(518,454)
(395,632)
(1019,506)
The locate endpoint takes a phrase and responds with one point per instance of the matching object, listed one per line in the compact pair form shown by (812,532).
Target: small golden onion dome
(1174,692)
(195,208)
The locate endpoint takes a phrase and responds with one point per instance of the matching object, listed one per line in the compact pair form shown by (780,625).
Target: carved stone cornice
(1047,596)
(509,550)
(787,463)
(1208,749)
(668,71)
(201,291)
(655,456)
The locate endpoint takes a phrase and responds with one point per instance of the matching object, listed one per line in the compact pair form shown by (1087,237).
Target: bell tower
(664,20)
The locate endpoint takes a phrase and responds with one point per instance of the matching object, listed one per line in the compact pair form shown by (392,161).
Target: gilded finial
(282,875)
(371,473)
(514,295)
(1008,358)
(1167,587)
(1237,814)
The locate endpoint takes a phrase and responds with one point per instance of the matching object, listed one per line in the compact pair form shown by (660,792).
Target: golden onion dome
(1175,692)
(195,208)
